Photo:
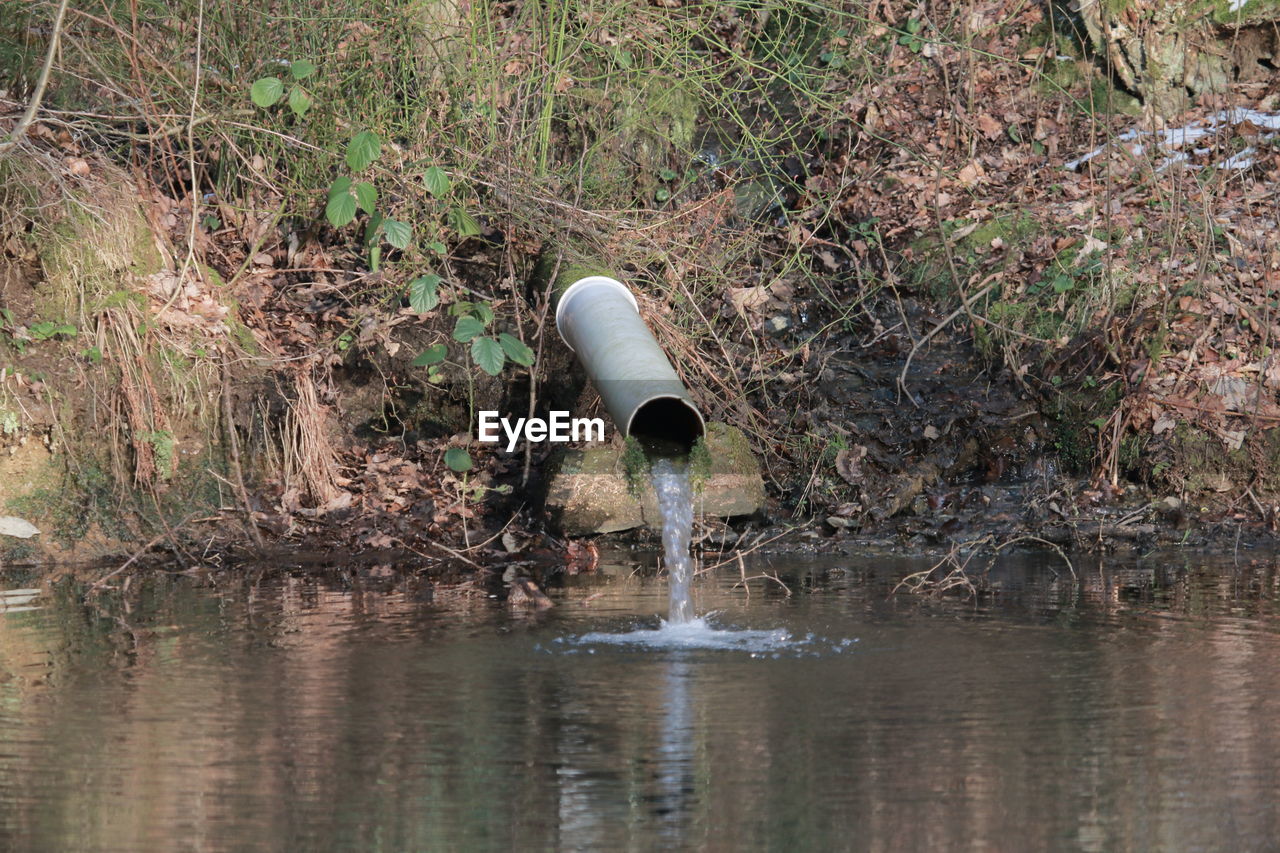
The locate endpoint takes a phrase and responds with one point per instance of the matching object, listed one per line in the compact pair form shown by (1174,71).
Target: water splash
(681,631)
(700,634)
(675,505)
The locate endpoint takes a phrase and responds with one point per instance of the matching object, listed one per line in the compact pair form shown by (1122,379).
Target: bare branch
(20,129)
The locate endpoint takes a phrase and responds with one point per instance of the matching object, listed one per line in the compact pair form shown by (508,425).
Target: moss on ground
(970,245)
(1202,464)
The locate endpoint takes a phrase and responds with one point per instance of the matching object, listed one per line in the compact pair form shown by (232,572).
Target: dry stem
(20,129)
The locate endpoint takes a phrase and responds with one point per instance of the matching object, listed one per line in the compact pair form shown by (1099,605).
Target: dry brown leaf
(971,173)
(990,128)
(849,464)
(748,298)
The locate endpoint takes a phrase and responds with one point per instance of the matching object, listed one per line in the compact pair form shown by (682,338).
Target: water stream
(675,504)
(683,629)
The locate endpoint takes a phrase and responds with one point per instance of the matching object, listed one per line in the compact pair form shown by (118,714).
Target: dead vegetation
(852,226)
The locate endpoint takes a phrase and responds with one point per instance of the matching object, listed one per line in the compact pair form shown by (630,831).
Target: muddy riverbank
(207,438)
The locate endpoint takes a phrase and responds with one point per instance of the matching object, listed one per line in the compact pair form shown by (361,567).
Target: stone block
(589,490)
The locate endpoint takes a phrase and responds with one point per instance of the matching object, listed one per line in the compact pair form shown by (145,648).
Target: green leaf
(341,186)
(1062,283)
(488,354)
(431,355)
(482,312)
(467,328)
(371,230)
(340,210)
(437,247)
(516,349)
(458,459)
(422,293)
(48,329)
(301,69)
(299,101)
(461,221)
(363,149)
(397,233)
(375,258)
(266,91)
(366,196)
(437,181)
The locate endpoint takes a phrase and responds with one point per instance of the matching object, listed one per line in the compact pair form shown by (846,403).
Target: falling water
(675,504)
(681,630)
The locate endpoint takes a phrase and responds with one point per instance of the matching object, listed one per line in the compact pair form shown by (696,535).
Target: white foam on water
(699,634)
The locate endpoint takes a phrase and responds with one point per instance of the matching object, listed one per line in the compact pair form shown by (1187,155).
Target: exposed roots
(142,416)
(310,461)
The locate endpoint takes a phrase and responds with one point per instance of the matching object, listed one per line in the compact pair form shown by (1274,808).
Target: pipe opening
(667,424)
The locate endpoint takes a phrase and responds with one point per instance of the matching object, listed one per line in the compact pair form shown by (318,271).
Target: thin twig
(233,455)
(194,206)
(1262,511)
(100,582)
(763,576)
(20,129)
(537,362)
(740,554)
(1052,545)
(946,321)
(455,554)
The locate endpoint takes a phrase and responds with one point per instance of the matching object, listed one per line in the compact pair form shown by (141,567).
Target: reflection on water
(1136,708)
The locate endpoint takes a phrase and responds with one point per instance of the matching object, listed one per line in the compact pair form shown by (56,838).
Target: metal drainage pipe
(599,319)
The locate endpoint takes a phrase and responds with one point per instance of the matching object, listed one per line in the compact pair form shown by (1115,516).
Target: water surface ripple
(1135,708)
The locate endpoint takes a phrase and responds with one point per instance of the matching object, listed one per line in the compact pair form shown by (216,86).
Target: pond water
(1135,708)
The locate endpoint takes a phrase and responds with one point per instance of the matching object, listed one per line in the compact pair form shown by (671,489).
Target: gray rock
(11,525)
